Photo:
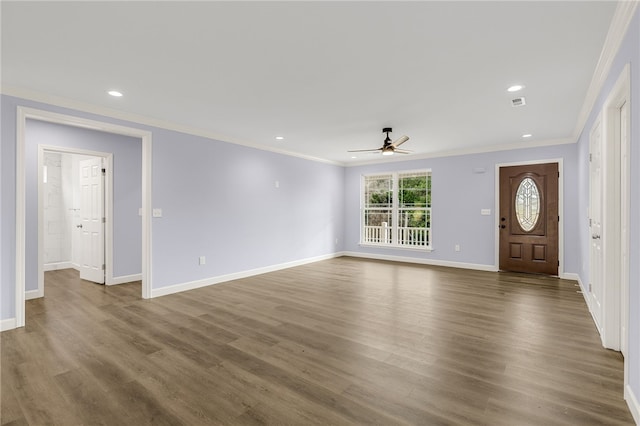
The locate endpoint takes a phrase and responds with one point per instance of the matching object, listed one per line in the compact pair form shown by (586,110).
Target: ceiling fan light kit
(388,147)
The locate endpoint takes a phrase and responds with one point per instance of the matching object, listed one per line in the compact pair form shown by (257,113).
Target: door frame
(615,188)
(24,113)
(108,211)
(498,166)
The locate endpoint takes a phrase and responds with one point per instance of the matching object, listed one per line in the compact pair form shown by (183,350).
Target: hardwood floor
(344,341)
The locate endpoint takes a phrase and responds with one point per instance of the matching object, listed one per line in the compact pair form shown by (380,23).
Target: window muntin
(397,209)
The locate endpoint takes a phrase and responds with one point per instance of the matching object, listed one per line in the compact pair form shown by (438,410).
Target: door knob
(79,226)
(503,219)
(595,237)
(502,226)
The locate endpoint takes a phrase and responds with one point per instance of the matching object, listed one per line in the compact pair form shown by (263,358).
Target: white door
(596,290)
(624,225)
(92,223)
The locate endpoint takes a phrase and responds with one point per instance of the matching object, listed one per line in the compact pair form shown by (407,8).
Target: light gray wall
(219,200)
(457,195)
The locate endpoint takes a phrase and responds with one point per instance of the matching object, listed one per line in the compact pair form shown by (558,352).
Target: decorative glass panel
(527,204)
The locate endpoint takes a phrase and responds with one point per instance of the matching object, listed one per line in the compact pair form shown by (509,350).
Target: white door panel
(595,210)
(92,224)
(624,225)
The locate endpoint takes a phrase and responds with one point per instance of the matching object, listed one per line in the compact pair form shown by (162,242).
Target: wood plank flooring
(344,341)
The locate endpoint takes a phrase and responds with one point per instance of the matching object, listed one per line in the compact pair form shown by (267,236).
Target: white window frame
(395,212)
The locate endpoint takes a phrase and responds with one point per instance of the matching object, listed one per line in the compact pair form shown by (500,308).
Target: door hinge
(104,171)
(589,222)
(104,267)
(104,220)
(558,218)
(590,157)
(558,174)
(558,263)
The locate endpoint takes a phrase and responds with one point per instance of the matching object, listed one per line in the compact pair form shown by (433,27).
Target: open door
(92,266)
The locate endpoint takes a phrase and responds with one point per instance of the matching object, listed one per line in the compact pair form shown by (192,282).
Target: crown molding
(135,119)
(467,151)
(617,31)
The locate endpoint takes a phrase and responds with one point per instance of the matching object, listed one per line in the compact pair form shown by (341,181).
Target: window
(396,209)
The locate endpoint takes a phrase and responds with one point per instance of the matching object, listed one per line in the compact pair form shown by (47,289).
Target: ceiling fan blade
(400,141)
(365,150)
(402,151)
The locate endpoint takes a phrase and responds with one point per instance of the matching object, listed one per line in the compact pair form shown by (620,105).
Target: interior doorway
(24,260)
(73,199)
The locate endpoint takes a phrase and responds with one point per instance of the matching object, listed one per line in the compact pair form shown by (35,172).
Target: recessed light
(353,156)
(279,138)
(527,135)
(515,88)
(115,93)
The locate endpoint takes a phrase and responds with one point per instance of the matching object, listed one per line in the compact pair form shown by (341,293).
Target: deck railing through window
(407,236)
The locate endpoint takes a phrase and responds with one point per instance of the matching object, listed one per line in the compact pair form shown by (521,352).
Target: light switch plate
(157,212)
(485,212)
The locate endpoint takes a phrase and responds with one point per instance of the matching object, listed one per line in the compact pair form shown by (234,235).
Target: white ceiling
(328,76)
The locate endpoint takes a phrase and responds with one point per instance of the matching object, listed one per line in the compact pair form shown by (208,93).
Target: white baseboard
(447,263)
(33,294)
(54,266)
(192,285)
(7,324)
(632,402)
(124,279)
(570,276)
(587,300)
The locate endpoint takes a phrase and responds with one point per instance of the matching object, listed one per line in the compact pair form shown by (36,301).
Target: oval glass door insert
(527,204)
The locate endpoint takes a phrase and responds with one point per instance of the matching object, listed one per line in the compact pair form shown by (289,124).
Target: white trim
(570,276)
(612,240)
(433,262)
(24,113)
(33,294)
(632,401)
(192,285)
(7,324)
(124,279)
(587,300)
(54,266)
(36,96)
(20,216)
(560,162)
(617,31)
(108,207)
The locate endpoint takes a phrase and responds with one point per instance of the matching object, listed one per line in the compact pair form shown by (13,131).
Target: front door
(529,218)
(92,222)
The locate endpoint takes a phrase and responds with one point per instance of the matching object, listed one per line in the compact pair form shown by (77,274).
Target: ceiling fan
(388,148)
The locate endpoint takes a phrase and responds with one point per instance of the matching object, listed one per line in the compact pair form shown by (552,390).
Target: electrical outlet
(457,247)
(201,260)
